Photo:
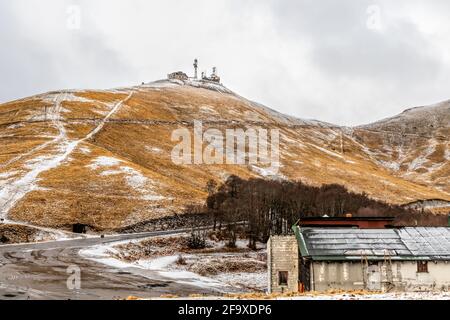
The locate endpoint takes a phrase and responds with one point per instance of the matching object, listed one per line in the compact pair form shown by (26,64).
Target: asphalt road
(40,271)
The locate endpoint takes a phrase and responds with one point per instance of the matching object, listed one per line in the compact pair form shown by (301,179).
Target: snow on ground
(104,162)
(423,158)
(5,176)
(447,152)
(160,266)
(382,296)
(255,280)
(133,177)
(153,149)
(331,153)
(270,172)
(168,268)
(208,110)
(14,191)
(296,143)
(85,150)
(341,296)
(68,96)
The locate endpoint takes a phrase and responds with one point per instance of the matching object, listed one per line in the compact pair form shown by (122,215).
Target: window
(283,277)
(422,266)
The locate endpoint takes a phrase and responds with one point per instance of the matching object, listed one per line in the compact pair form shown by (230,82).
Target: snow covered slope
(103,157)
(414,145)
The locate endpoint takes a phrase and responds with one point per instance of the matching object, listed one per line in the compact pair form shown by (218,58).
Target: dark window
(283,277)
(422,266)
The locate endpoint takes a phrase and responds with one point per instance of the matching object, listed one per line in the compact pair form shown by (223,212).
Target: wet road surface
(40,271)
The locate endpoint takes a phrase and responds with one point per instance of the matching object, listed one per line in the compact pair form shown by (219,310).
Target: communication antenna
(196,68)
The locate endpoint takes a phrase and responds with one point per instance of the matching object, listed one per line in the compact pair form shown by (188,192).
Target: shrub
(197,240)
(181,261)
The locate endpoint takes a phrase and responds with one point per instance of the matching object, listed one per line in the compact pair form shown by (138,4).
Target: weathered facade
(404,259)
(283,264)
(380,276)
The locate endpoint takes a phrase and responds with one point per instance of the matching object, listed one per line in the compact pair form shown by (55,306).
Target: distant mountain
(414,145)
(103,157)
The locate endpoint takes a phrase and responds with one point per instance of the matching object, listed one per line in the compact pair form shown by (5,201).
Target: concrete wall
(376,277)
(437,278)
(282,255)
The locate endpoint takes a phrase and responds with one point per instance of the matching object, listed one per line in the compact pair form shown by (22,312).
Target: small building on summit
(213,78)
(179,75)
(352,258)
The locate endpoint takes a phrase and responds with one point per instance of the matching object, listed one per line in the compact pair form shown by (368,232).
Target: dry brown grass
(224,265)
(75,193)
(11,233)
(274,296)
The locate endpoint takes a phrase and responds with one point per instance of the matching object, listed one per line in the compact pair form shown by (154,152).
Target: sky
(348,62)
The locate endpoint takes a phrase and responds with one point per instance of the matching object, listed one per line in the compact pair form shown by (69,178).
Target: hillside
(103,157)
(414,145)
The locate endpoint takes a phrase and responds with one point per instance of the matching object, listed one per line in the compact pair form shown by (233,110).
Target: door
(374,277)
(305,275)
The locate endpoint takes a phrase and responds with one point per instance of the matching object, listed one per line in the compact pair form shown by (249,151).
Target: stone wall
(283,257)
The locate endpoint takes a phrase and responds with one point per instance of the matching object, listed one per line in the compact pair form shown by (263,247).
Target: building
(179,75)
(324,258)
(213,78)
(348,221)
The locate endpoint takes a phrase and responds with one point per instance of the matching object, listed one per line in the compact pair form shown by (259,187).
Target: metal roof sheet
(403,243)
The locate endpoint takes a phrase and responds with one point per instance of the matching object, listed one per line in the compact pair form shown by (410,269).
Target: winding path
(14,191)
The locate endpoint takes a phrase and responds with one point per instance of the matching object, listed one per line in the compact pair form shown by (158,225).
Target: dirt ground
(12,233)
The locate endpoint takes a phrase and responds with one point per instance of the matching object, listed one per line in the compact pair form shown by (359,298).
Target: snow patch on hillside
(269,172)
(85,150)
(68,96)
(7,175)
(208,110)
(19,188)
(447,153)
(423,158)
(153,149)
(104,162)
(133,177)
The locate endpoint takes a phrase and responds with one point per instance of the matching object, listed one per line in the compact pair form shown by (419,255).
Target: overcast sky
(345,62)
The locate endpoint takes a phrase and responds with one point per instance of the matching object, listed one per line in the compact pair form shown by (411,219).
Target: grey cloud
(311,59)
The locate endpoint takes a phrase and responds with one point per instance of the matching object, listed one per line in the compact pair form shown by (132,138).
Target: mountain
(103,157)
(414,145)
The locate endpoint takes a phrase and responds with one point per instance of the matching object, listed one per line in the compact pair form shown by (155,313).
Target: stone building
(178,76)
(282,264)
(397,259)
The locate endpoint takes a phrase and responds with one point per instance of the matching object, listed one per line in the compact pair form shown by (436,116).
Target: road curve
(39,271)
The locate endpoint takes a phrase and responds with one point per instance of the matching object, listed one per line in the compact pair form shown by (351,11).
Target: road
(39,271)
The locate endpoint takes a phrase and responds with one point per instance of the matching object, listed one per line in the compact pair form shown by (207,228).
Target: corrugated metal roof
(404,243)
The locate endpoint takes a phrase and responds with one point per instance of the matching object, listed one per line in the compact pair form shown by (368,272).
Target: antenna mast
(196,68)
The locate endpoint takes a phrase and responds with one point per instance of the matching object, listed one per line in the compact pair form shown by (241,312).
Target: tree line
(260,208)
